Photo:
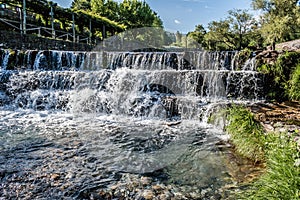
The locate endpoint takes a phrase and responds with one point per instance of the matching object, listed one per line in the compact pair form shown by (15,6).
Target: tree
(219,36)
(198,35)
(106,8)
(233,33)
(137,14)
(178,36)
(241,24)
(81,5)
(131,13)
(280,21)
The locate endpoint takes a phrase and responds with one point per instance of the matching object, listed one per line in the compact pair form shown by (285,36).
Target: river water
(123,132)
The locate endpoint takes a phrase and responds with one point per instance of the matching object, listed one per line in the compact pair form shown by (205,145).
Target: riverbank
(278,117)
(268,134)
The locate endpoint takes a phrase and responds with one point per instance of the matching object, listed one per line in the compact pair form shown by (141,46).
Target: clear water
(72,130)
(98,151)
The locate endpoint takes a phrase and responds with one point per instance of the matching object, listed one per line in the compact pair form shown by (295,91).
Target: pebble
(54,176)
(145,180)
(148,194)
(70,175)
(157,187)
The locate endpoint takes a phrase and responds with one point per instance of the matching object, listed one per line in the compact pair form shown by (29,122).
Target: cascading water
(117,124)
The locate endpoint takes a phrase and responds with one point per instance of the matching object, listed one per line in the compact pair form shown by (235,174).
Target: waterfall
(131,83)
(92,122)
(5,59)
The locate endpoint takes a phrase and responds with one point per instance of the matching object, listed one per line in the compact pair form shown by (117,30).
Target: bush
(244,55)
(293,86)
(279,76)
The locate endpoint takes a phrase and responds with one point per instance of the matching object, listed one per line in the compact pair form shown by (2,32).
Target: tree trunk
(273,46)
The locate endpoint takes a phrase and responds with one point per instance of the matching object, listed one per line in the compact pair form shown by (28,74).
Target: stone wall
(13,40)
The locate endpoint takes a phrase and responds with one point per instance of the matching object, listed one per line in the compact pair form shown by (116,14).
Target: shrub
(279,76)
(293,86)
(243,56)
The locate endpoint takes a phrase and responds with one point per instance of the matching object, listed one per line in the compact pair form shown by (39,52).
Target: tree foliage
(137,14)
(280,20)
(107,8)
(219,36)
(198,35)
(81,5)
(131,13)
(235,32)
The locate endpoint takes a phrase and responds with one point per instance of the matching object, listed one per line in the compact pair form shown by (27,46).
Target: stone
(268,127)
(145,180)
(157,188)
(148,194)
(70,175)
(54,176)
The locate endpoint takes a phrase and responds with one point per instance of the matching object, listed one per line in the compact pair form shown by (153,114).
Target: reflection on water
(47,155)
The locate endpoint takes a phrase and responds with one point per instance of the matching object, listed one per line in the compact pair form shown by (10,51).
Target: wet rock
(70,175)
(148,194)
(146,180)
(293,45)
(268,56)
(157,188)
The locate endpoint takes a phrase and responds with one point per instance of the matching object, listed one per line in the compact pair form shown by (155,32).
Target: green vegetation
(239,30)
(293,85)
(282,78)
(246,133)
(282,178)
(279,22)
(278,150)
(130,13)
(116,17)
(243,56)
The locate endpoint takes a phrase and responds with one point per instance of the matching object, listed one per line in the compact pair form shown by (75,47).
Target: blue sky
(184,15)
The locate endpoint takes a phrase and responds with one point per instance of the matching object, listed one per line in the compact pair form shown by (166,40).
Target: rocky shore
(278,116)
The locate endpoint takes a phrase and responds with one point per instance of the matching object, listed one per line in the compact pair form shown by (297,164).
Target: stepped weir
(117,124)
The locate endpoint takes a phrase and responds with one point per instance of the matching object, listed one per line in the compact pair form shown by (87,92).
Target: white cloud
(177,21)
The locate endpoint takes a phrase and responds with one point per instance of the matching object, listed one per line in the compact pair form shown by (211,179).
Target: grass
(246,133)
(282,179)
(278,150)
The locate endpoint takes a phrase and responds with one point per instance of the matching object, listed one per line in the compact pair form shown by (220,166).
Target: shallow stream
(134,130)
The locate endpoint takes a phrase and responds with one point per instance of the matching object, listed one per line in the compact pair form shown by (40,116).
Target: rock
(173,123)
(283,117)
(148,194)
(54,176)
(297,163)
(70,175)
(145,180)
(293,45)
(157,188)
(268,127)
